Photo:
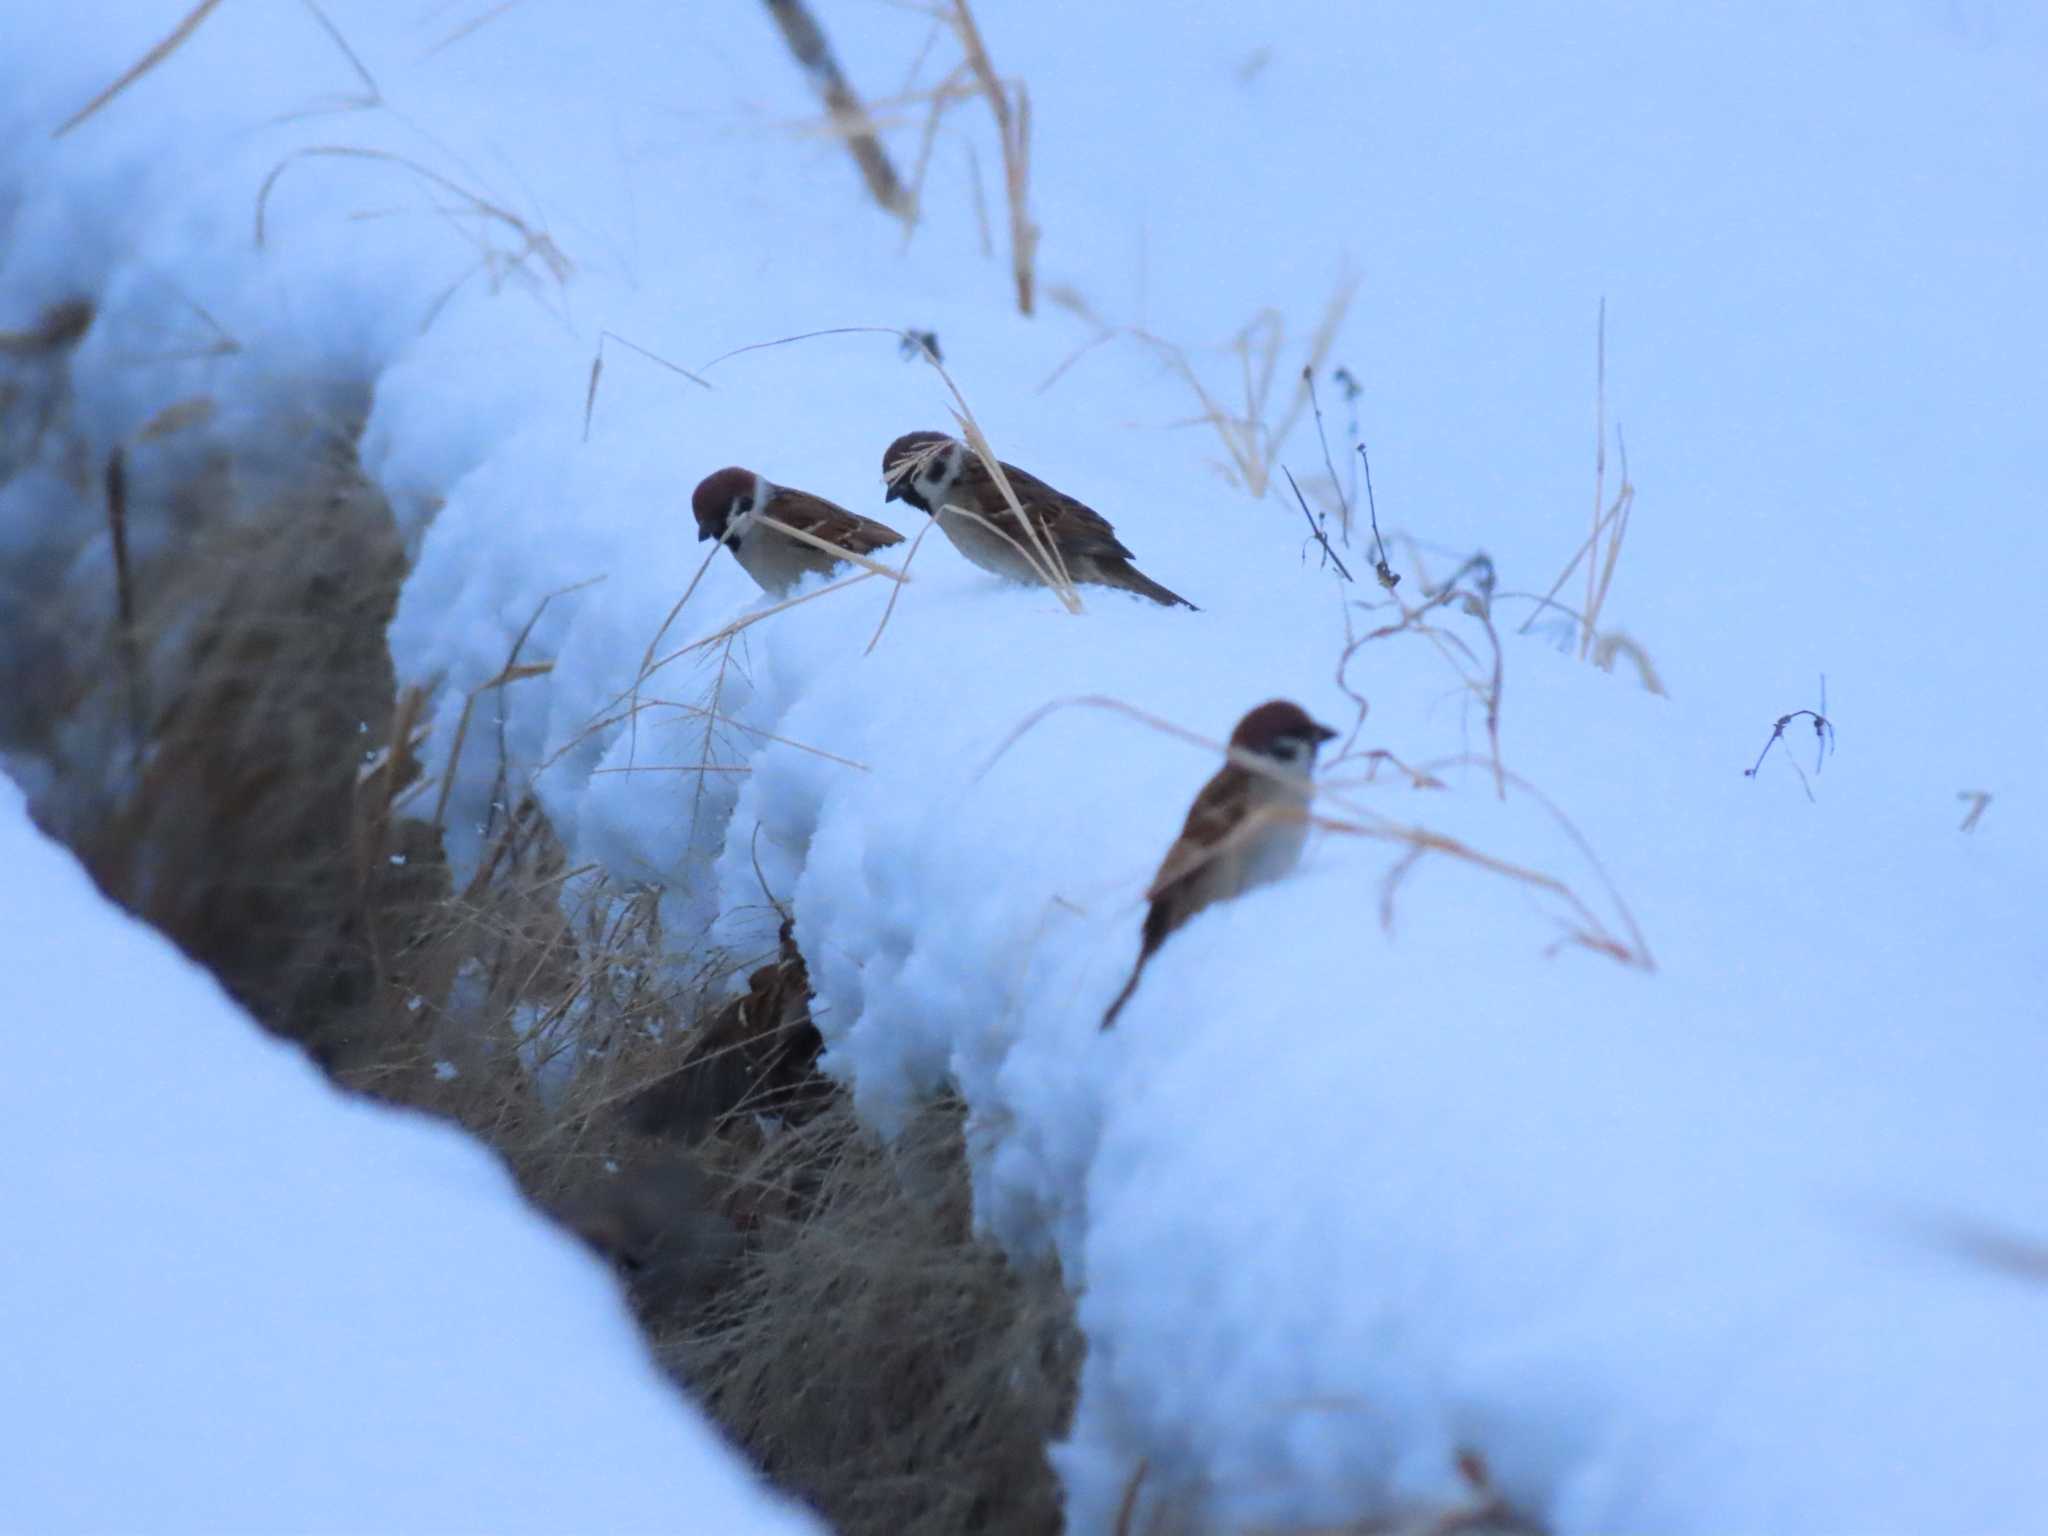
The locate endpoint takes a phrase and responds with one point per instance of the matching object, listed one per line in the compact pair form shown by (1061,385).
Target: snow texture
(241,1301)
(1696,1247)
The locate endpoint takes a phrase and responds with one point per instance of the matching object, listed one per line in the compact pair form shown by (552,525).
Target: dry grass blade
(1613,644)
(1013,132)
(597,371)
(516,672)
(740,625)
(474,24)
(126,645)
(513,671)
(647,661)
(889,611)
(839,552)
(1043,557)
(533,242)
(1599,463)
(850,120)
(178,416)
(163,50)
(1095,701)
(1601,548)
(1251,435)
(1637,948)
(375,94)
(59,326)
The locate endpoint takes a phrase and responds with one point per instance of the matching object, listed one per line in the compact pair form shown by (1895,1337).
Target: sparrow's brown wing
(1220,812)
(831,522)
(1076,529)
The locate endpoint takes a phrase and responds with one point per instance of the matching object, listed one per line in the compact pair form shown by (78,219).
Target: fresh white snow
(238,1300)
(1670,1249)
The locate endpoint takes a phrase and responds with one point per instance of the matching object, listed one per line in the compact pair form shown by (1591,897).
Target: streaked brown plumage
(932,472)
(729,503)
(1246,827)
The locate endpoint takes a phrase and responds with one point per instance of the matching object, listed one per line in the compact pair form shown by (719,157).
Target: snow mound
(241,1301)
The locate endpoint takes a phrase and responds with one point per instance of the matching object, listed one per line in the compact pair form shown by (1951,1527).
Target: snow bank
(240,1301)
(1665,1248)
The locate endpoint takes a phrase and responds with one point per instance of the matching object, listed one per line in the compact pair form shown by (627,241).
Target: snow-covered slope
(236,1300)
(1668,1248)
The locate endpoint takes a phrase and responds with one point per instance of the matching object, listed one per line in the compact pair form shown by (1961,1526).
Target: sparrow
(729,503)
(1246,827)
(934,472)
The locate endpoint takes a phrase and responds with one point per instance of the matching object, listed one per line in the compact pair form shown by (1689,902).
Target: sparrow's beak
(703,533)
(895,491)
(1324,733)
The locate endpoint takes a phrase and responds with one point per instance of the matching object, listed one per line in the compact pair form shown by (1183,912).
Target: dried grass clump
(874,1356)
(268,679)
(1253,431)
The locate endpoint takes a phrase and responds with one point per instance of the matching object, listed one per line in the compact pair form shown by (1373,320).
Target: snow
(242,1301)
(1668,1248)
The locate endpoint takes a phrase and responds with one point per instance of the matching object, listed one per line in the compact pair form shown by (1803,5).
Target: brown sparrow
(730,503)
(934,473)
(1246,827)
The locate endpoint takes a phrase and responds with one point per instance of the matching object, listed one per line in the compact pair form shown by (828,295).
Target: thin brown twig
(850,121)
(156,55)
(126,644)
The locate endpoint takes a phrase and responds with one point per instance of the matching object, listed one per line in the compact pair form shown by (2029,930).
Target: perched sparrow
(728,503)
(1245,828)
(933,472)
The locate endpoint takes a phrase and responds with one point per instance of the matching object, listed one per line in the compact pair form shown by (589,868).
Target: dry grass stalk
(1043,555)
(1013,133)
(889,610)
(127,647)
(1483,681)
(872,1355)
(1251,434)
(838,552)
(532,245)
(1009,102)
(60,326)
(1614,643)
(1600,550)
(513,671)
(597,372)
(156,55)
(849,118)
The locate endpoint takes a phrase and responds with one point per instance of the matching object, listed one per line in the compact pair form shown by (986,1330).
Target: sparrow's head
(1284,732)
(722,500)
(920,467)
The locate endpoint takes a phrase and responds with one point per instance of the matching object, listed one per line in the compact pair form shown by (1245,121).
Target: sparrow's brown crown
(1276,721)
(901,457)
(714,497)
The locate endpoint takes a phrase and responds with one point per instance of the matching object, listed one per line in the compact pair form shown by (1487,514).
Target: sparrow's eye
(745,504)
(933,473)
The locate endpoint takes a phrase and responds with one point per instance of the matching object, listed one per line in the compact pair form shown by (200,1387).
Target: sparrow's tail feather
(1124,996)
(1138,582)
